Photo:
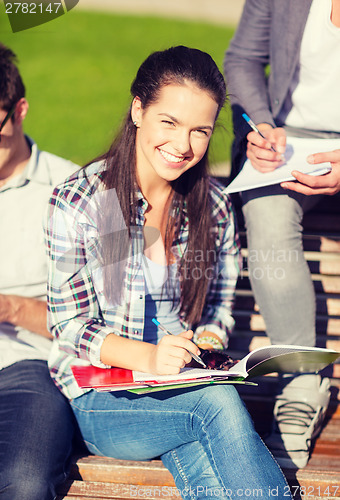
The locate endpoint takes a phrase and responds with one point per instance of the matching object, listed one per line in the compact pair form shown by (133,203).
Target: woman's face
(173,133)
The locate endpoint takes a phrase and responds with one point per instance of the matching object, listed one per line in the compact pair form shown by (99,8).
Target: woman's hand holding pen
(171,353)
(166,358)
(265,149)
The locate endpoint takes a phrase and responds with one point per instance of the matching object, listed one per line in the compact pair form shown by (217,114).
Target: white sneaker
(298,415)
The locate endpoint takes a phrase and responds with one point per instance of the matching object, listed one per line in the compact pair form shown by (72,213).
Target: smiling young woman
(144,232)
(173,134)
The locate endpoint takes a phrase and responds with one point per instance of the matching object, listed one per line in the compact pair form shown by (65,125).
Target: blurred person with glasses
(7,117)
(36,422)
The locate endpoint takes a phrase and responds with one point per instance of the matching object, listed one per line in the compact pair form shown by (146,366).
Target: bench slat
(326,303)
(103,490)
(313,480)
(122,471)
(254,321)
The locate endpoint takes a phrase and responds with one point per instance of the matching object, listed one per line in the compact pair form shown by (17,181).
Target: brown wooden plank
(311,480)
(311,242)
(329,245)
(324,284)
(325,267)
(72,497)
(319,262)
(321,243)
(328,450)
(255,322)
(103,490)
(245,341)
(314,483)
(325,303)
(122,471)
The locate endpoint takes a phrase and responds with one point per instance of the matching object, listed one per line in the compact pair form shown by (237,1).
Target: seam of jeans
(181,471)
(211,454)
(278,466)
(117,411)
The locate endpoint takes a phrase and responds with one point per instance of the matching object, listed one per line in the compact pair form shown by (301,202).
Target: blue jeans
(278,271)
(36,431)
(204,436)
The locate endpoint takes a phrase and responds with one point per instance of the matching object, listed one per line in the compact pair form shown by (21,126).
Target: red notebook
(122,379)
(91,376)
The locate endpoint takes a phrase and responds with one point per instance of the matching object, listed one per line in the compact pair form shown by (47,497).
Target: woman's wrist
(127,353)
(208,341)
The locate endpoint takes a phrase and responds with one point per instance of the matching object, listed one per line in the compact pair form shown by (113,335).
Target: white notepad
(296,153)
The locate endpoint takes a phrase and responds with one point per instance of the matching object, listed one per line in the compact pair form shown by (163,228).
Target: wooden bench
(94,478)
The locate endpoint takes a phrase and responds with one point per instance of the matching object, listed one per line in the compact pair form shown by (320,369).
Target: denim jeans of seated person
(36,431)
(204,436)
(278,271)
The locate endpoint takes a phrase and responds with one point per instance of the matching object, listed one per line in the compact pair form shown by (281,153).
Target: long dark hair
(190,191)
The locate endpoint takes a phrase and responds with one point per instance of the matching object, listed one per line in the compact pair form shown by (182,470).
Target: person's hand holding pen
(173,352)
(266,146)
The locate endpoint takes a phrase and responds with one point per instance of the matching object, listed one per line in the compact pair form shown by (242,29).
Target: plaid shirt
(79,314)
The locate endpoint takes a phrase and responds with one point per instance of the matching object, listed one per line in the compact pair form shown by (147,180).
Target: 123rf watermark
(26,15)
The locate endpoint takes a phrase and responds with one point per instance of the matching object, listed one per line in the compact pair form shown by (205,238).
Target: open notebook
(261,361)
(296,153)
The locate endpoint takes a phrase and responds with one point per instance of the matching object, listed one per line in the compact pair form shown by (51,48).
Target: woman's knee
(223,399)
(222,414)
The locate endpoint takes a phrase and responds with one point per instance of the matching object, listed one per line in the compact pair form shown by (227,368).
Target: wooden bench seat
(96,478)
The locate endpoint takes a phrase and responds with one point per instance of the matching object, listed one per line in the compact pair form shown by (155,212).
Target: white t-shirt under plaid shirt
(80,315)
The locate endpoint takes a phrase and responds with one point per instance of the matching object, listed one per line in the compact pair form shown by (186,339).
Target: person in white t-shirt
(36,421)
(282,70)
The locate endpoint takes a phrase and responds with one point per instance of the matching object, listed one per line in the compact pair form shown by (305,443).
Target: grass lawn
(78,70)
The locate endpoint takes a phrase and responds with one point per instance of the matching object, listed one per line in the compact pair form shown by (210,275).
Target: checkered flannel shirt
(79,315)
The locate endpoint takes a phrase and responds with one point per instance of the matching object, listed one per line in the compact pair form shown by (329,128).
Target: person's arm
(166,358)
(25,312)
(245,62)
(217,320)
(320,184)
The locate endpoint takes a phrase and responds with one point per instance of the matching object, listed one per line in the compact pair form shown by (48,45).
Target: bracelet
(216,344)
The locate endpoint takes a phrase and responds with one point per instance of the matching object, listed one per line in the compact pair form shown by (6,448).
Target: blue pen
(254,127)
(196,358)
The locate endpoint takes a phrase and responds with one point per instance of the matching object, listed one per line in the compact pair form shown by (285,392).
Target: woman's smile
(173,159)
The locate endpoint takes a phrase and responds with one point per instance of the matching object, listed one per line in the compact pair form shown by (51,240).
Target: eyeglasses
(7,117)
(217,360)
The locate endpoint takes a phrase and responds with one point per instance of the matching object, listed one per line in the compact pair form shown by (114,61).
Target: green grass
(79,67)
